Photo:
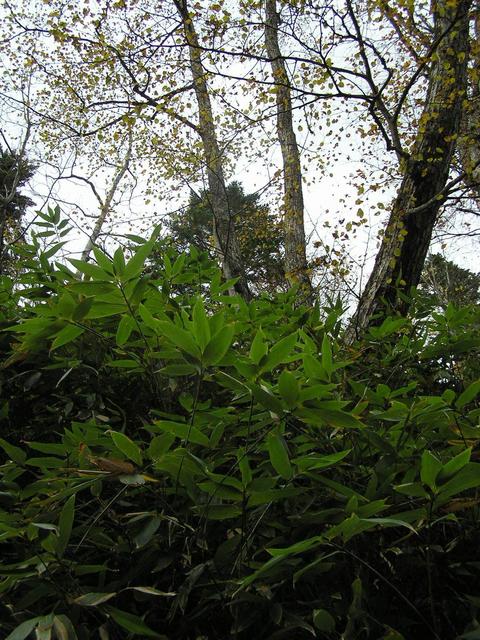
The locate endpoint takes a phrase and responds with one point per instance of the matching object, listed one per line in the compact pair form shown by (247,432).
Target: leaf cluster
(177,463)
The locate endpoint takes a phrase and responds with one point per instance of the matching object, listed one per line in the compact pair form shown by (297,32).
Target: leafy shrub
(180,464)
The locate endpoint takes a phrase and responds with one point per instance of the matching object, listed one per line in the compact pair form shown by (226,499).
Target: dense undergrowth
(179,464)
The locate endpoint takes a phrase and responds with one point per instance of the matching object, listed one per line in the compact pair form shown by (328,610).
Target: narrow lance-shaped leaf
(327,362)
(218,345)
(124,329)
(468,395)
(14,453)
(429,469)
(65,525)
(279,455)
(127,446)
(133,624)
(288,388)
(66,335)
(200,325)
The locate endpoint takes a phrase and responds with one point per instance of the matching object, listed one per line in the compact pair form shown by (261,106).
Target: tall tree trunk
(223,222)
(404,247)
(469,141)
(295,244)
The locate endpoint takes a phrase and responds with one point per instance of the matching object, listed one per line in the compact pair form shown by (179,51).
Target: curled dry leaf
(113,465)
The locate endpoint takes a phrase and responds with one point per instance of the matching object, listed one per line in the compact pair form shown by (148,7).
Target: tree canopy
(260,234)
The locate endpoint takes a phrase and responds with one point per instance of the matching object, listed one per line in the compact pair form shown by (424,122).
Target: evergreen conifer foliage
(15,173)
(259,231)
(445,282)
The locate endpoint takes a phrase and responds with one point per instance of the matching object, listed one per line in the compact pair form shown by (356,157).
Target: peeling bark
(223,223)
(293,215)
(404,247)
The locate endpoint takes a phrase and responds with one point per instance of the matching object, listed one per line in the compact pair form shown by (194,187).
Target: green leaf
(105,310)
(454,465)
(133,624)
(272,495)
(146,534)
(63,628)
(327,362)
(124,364)
(119,262)
(124,329)
(178,370)
(82,309)
(93,599)
(258,348)
(219,511)
(89,269)
(218,345)
(184,431)
(288,388)
(278,453)
(180,338)
(44,628)
(14,453)
(244,466)
(323,621)
(53,250)
(126,446)
(313,368)
(388,326)
(267,399)
(66,335)
(151,322)
(323,414)
(468,395)
(23,630)
(136,264)
(313,462)
(201,327)
(281,353)
(466,478)
(103,260)
(219,490)
(65,524)
(430,467)
(411,489)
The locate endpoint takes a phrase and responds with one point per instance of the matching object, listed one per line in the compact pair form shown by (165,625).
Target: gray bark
(295,244)
(469,140)
(224,234)
(404,247)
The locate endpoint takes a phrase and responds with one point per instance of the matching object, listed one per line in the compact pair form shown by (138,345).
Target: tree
(15,173)
(260,234)
(468,141)
(293,213)
(443,281)
(399,262)
(172,75)
(224,232)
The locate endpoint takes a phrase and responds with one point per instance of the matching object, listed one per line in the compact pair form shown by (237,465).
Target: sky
(329,193)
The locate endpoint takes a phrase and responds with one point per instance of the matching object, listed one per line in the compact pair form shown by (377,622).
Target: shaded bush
(180,464)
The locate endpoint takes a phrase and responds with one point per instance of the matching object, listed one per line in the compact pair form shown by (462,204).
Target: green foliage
(15,173)
(259,233)
(177,463)
(445,282)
